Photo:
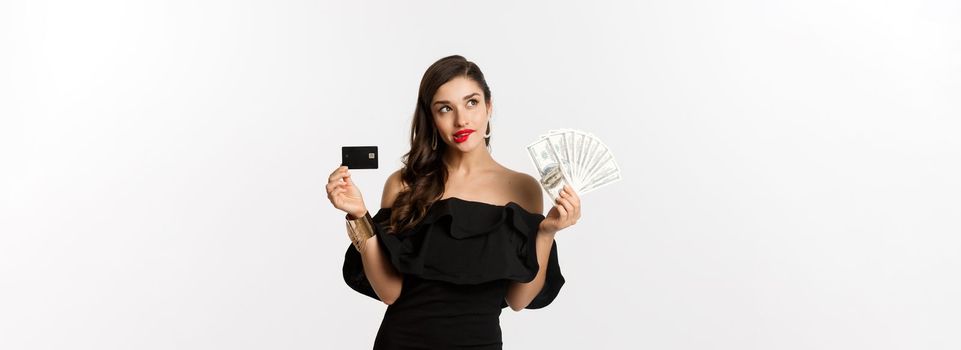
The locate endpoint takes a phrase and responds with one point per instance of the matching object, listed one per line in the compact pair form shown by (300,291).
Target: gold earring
(488,134)
(433,143)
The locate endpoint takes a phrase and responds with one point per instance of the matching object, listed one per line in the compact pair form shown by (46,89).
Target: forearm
(383,277)
(520,294)
(385,281)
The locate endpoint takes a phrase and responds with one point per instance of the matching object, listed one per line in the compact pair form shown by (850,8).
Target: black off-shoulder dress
(457,264)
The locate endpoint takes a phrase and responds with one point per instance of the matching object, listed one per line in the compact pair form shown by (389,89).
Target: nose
(462,119)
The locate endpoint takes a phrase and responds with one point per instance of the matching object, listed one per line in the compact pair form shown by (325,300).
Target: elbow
(390,298)
(389,293)
(516,306)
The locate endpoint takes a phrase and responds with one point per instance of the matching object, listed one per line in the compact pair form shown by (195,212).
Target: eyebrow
(465,97)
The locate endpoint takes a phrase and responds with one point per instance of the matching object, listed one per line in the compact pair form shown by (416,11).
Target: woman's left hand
(564,213)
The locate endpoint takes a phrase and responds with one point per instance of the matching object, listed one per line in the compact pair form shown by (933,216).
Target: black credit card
(359,157)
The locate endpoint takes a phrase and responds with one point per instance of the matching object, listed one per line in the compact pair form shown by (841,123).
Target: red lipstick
(462,135)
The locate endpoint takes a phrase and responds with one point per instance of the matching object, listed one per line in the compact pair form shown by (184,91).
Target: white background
(790,169)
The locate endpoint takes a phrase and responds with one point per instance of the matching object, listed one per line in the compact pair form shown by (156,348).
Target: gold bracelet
(359,230)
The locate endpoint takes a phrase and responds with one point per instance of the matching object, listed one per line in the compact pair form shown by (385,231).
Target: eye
(471,100)
(442,109)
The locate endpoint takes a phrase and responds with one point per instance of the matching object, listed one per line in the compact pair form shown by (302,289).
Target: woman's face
(458,107)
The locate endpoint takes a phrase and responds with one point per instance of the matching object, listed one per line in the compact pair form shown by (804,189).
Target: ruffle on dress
(463,242)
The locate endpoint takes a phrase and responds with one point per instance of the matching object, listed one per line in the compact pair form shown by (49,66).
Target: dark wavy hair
(424,171)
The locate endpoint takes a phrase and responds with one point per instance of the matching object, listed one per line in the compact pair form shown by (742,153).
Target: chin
(467,146)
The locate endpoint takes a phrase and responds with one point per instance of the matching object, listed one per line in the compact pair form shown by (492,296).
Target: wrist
(545,238)
(360,230)
(362,245)
(356,215)
(542,232)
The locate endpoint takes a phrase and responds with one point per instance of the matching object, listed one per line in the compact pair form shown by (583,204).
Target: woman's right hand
(343,194)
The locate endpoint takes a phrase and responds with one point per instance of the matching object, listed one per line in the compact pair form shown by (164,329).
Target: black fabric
(457,264)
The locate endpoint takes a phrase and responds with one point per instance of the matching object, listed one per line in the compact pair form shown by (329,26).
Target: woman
(458,236)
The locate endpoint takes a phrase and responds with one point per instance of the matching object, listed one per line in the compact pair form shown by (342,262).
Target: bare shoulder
(392,187)
(528,190)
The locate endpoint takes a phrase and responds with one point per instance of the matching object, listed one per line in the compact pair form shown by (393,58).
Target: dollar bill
(548,165)
(575,158)
(559,143)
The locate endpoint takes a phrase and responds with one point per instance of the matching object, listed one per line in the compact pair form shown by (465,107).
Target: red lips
(462,135)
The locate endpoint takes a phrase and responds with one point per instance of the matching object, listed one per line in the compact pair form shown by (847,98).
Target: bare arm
(564,213)
(520,294)
(383,277)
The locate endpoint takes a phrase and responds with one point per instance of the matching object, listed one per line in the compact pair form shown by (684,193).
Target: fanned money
(575,158)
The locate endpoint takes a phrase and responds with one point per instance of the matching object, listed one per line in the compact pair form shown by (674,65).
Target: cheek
(440,126)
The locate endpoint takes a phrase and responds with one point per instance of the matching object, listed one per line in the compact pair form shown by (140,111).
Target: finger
(335,182)
(337,191)
(574,197)
(561,210)
(563,194)
(334,185)
(576,213)
(337,174)
(334,177)
(569,207)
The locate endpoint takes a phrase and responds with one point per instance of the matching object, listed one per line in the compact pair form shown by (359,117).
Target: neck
(463,163)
